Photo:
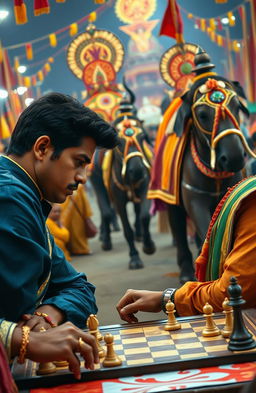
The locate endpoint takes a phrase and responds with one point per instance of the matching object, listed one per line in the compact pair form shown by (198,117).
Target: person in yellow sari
(74,211)
(58,230)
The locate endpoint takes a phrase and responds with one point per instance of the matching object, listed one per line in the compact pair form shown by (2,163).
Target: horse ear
(183,114)
(242,97)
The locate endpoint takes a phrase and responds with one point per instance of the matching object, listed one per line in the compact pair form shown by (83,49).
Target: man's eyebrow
(86,158)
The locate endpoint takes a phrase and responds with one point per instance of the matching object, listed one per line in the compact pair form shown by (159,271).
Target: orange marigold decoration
(212,84)
(20,12)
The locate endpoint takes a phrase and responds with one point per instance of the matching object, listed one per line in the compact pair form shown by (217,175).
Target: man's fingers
(74,365)
(87,351)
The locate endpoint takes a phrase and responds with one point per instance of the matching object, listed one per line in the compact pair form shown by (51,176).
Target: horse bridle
(217,97)
(128,130)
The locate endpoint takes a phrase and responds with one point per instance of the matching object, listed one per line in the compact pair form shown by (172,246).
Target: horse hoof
(106,246)
(149,249)
(136,264)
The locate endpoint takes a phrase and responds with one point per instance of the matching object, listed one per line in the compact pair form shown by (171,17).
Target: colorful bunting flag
(172,25)
(20,12)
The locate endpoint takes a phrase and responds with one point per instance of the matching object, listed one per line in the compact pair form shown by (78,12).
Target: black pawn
(240,339)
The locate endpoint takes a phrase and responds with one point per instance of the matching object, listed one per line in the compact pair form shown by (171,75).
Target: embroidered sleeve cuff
(6,331)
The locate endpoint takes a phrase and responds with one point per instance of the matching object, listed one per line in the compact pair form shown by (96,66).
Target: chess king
(228,250)
(45,301)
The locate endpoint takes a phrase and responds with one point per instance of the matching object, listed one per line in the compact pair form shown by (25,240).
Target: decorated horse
(200,153)
(127,176)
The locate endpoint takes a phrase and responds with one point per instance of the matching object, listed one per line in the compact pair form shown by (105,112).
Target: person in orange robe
(57,229)
(74,211)
(190,298)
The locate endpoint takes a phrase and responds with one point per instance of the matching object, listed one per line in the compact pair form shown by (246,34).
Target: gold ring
(80,343)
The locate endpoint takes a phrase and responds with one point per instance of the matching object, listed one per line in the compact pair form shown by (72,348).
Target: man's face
(58,178)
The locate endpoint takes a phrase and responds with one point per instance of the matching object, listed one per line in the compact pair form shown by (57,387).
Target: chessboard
(146,347)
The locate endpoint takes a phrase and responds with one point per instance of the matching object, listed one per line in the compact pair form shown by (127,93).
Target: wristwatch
(168,294)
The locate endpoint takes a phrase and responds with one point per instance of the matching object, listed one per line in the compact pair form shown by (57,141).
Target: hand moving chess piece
(210,330)
(111,359)
(172,323)
(241,339)
(47,367)
(92,324)
(228,311)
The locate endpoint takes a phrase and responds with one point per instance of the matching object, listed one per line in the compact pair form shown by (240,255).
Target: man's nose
(81,176)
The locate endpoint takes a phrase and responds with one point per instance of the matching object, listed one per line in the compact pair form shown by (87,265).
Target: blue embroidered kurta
(33,269)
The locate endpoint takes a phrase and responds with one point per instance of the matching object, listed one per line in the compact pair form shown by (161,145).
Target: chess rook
(241,339)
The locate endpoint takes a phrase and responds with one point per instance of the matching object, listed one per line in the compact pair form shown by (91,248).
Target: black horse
(214,154)
(129,179)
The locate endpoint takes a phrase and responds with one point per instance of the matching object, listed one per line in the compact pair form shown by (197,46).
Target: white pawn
(111,359)
(172,323)
(210,329)
(228,311)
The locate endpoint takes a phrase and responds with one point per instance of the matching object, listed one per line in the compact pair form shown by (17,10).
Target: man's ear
(42,146)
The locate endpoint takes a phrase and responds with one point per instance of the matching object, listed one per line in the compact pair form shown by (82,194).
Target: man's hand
(136,300)
(60,343)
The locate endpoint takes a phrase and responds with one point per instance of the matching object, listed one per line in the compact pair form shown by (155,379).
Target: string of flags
(40,7)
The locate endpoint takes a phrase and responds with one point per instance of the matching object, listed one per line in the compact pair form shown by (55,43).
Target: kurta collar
(28,180)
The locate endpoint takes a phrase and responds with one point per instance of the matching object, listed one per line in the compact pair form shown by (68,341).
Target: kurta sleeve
(70,291)
(240,262)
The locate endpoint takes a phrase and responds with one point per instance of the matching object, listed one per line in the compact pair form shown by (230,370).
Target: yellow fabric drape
(61,236)
(72,220)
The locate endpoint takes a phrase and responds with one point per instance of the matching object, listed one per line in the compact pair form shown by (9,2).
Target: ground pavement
(108,270)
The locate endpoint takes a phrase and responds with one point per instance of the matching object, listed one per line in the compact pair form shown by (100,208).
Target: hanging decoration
(172,25)
(95,57)
(41,7)
(134,11)
(20,12)
(176,66)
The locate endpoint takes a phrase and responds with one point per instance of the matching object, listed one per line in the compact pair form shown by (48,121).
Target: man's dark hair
(65,120)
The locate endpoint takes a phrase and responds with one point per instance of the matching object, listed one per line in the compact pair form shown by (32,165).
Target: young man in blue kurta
(51,145)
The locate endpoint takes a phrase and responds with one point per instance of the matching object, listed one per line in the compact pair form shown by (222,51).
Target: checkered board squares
(150,344)
(146,347)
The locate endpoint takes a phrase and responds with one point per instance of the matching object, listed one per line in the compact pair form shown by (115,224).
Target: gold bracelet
(46,317)
(24,344)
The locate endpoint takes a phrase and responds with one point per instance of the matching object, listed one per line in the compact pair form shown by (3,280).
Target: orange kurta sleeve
(240,262)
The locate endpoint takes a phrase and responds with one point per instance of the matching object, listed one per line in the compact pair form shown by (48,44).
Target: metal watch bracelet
(168,294)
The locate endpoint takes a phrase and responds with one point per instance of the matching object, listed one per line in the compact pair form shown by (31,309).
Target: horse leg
(178,224)
(148,244)
(137,224)
(135,261)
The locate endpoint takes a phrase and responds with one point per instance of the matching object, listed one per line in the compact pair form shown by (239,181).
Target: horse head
(210,109)
(133,150)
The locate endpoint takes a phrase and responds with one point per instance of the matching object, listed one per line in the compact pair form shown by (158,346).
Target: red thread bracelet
(46,317)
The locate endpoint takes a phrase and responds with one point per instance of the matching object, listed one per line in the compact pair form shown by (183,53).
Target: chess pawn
(210,330)
(228,311)
(172,323)
(111,359)
(46,368)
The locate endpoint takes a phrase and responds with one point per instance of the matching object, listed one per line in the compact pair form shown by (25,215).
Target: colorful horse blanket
(169,149)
